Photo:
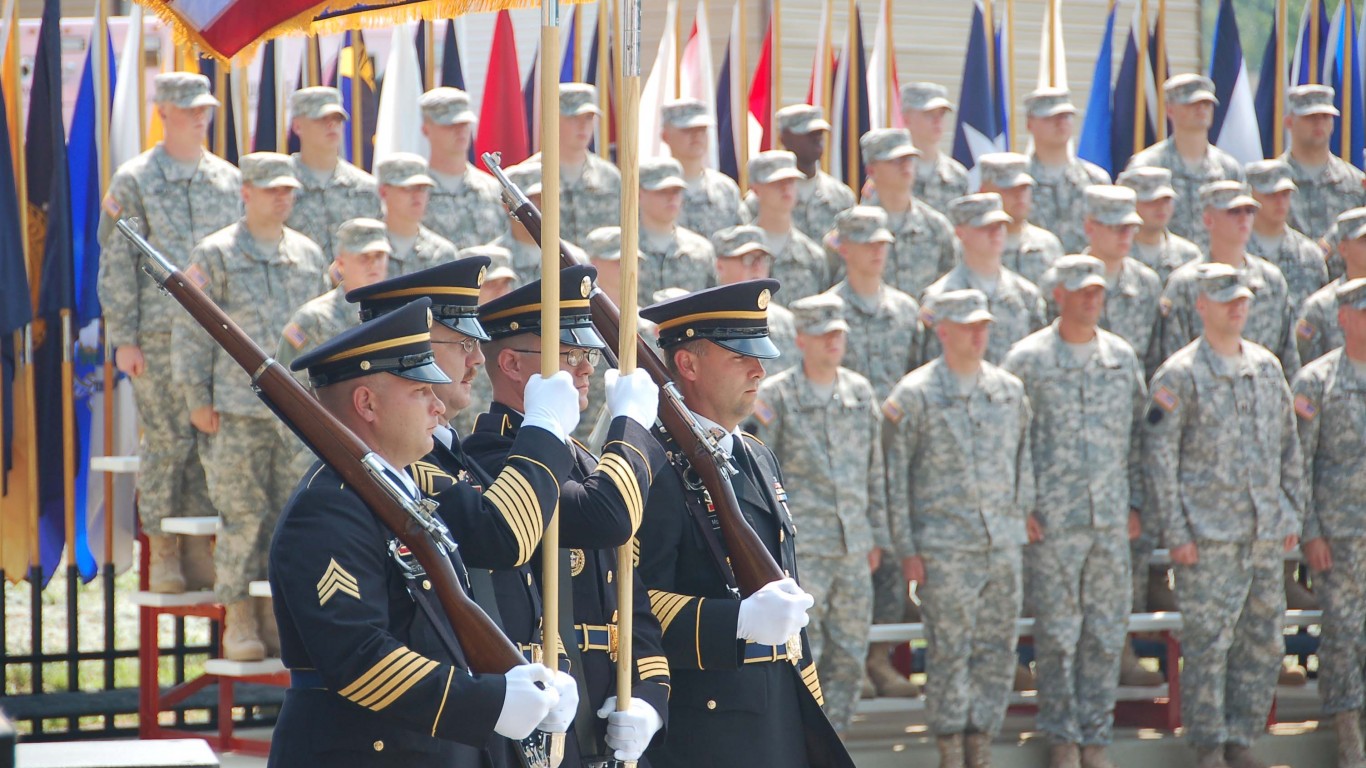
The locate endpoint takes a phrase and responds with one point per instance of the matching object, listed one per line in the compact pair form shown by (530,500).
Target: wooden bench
(163,753)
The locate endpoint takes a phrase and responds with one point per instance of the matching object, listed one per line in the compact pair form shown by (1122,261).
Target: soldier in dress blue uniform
(744,693)
(377,677)
(600,506)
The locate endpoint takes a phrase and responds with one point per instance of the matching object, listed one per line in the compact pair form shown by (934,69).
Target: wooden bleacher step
(228,668)
(118,465)
(133,753)
(259,588)
(191,526)
(173,600)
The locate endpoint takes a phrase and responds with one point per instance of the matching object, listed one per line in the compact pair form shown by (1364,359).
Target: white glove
(634,396)
(552,404)
(774,613)
(530,695)
(561,715)
(629,732)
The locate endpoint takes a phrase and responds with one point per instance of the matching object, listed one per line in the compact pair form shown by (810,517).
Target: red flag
(761,92)
(502,111)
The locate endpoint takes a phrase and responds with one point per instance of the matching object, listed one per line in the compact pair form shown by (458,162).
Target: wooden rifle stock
(486,648)
(750,560)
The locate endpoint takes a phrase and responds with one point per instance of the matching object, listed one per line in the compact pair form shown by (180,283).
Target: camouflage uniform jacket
(319,209)
(939,183)
(1335,188)
(925,249)
(470,213)
(526,257)
(590,201)
(1300,261)
(1222,456)
(885,335)
(1269,321)
(316,321)
(710,204)
(1086,437)
(1332,391)
(959,472)
(833,445)
(259,291)
(174,210)
(1016,303)
(1174,251)
(799,264)
(428,250)
(1032,252)
(1059,199)
(1218,165)
(688,262)
(1316,330)
(819,199)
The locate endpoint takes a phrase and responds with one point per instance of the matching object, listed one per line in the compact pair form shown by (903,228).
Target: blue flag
(1341,36)
(265,138)
(1300,69)
(452,71)
(209,68)
(1094,144)
(1264,102)
(16,308)
(1124,100)
(729,162)
(1234,129)
(367,111)
(980,129)
(571,49)
(858,82)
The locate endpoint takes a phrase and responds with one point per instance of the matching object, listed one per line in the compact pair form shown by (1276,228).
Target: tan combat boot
(1210,757)
(1297,597)
(1292,675)
(1348,727)
(1160,594)
(888,679)
(866,689)
(1239,756)
(163,573)
(1093,756)
(1024,678)
(240,639)
(1064,756)
(1133,674)
(196,562)
(977,750)
(950,751)
(267,630)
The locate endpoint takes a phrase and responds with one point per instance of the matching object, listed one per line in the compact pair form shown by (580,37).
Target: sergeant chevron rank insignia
(335,579)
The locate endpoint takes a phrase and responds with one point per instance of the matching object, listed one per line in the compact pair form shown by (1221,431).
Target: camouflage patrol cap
(685,113)
(1148,183)
(1352,294)
(819,314)
(924,97)
(447,106)
(317,101)
(659,173)
(1076,271)
(1351,224)
(500,260)
(1189,88)
(1047,102)
(742,240)
(1310,100)
(773,165)
(1111,205)
(526,176)
(186,90)
(1221,283)
(1227,195)
(882,144)
(578,99)
(604,244)
(980,210)
(962,307)
(801,118)
(1267,177)
(403,169)
(362,236)
(267,170)
(863,224)
(1005,170)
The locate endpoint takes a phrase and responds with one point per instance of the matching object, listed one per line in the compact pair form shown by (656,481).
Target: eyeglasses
(574,355)
(469,345)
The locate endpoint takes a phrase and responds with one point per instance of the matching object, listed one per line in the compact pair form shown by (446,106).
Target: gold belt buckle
(794,649)
(537,654)
(613,639)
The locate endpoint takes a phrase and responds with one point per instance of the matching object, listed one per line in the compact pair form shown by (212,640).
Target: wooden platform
(166,753)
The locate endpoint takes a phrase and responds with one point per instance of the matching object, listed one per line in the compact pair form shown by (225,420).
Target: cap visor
(671,182)
(583,110)
(1055,110)
(904,150)
(332,109)
(467,325)
(826,327)
(1356,234)
(697,121)
(279,181)
(975,316)
(1019,180)
(818,124)
(500,273)
(744,250)
(1229,294)
(583,336)
(416,180)
(1085,282)
(783,174)
(202,100)
(428,373)
(455,119)
(992,217)
(759,346)
(379,245)
(938,102)
(1319,109)
(1199,96)
(1161,193)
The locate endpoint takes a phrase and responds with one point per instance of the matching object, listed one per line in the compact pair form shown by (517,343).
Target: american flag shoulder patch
(197,276)
(1164,305)
(1305,330)
(111,206)
(892,411)
(1304,408)
(1166,399)
(763,412)
(295,336)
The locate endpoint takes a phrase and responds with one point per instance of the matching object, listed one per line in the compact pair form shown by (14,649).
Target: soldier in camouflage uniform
(955,436)
(466,205)
(742,254)
(333,190)
(711,200)
(1188,154)
(524,251)
(1086,388)
(1060,176)
(1316,330)
(671,256)
(1228,215)
(405,187)
(1328,185)
(1030,250)
(1332,391)
(819,195)
(798,262)
(257,271)
(1226,475)
(883,344)
(175,193)
(924,248)
(1156,246)
(1299,259)
(590,187)
(925,109)
(1016,305)
(822,422)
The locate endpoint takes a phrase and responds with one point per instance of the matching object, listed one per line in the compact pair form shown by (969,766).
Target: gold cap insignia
(689,333)
(514,325)
(586,287)
(482,271)
(429,317)
(763,299)
(365,365)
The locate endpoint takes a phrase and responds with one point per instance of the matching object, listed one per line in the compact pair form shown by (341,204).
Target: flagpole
(628,155)
(24,338)
(1314,41)
(314,67)
(680,41)
(102,141)
(889,86)
(1010,58)
(739,95)
(1141,77)
(220,123)
(1278,134)
(357,114)
(1347,34)
(576,65)
(775,76)
(1162,66)
(604,78)
(852,101)
(826,82)
(429,52)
